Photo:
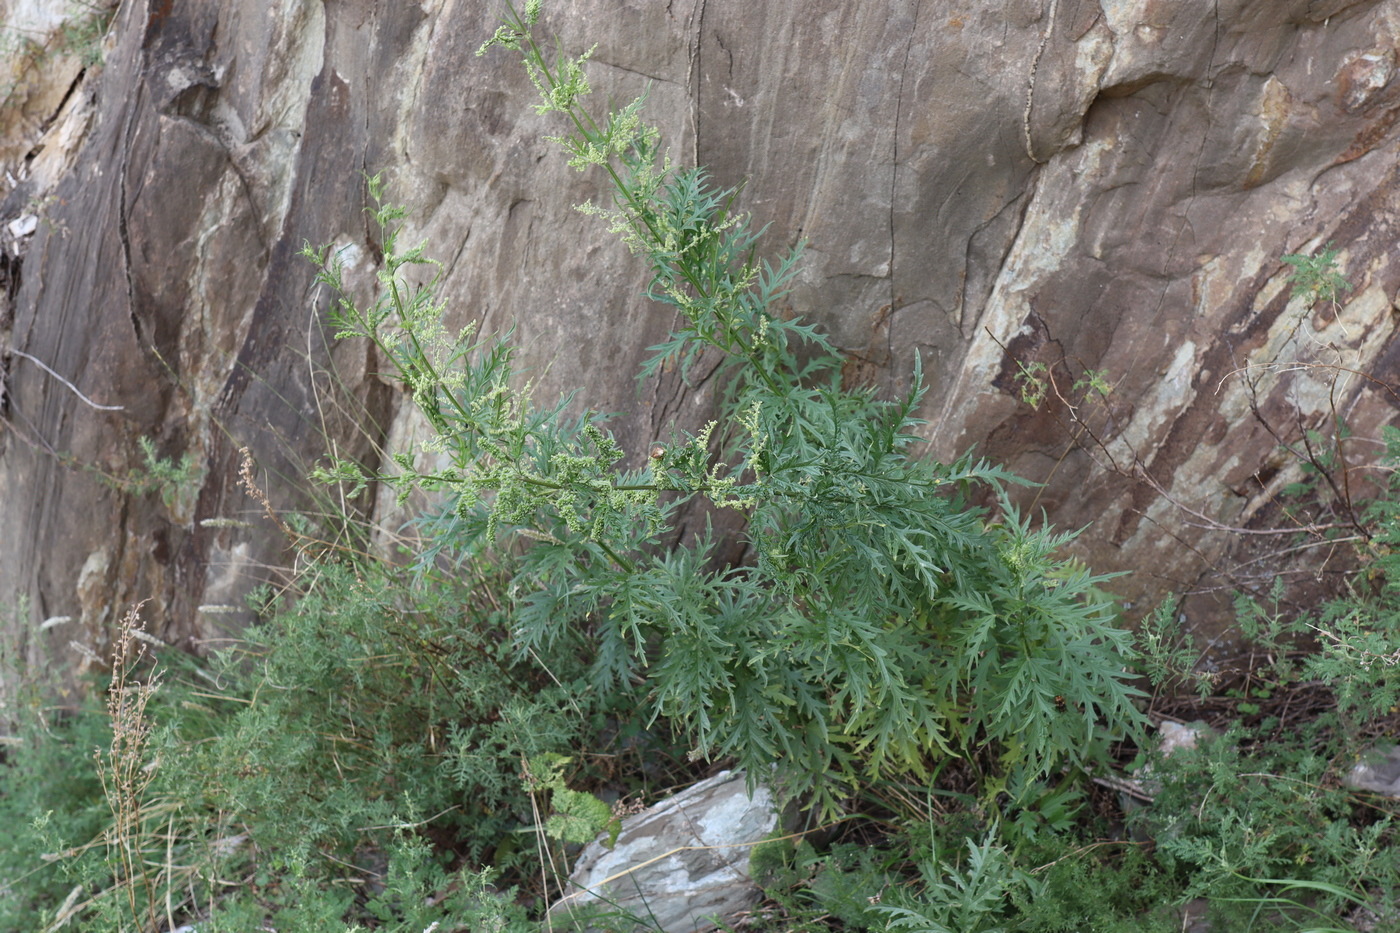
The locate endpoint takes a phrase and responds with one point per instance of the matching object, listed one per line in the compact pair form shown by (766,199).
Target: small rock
(23,225)
(681,862)
(1141,789)
(1175,736)
(1378,771)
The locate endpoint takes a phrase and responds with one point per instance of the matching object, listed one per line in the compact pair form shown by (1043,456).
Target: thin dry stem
(124,772)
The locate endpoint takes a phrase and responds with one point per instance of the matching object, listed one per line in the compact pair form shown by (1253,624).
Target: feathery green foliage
(1359,654)
(1315,278)
(884,622)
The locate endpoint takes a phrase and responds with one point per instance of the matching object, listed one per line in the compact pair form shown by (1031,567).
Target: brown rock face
(1024,193)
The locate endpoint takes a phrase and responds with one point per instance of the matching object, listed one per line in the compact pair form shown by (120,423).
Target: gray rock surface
(1377,771)
(1097,185)
(679,862)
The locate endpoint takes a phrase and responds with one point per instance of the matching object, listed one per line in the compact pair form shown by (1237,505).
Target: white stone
(1378,771)
(680,862)
(23,225)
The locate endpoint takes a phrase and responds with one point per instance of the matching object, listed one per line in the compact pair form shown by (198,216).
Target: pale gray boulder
(1378,771)
(677,864)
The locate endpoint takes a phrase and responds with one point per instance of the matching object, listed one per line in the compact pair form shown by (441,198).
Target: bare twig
(74,389)
(1205,521)
(1245,370)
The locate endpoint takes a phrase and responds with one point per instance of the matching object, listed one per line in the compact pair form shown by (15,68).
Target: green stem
(621,561)
(639,218)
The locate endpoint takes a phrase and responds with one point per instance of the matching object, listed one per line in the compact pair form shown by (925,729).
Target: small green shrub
(370,730)
(973,897)
(177,481)
(880,602)
(1237,811)
(1257,820)
(1359,652)
(809,886)
(1316,278)
(1032,382)
(52,807)
(1089,886)
(951,875)
(366,706)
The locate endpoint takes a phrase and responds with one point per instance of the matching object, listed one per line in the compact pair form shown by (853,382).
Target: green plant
(576,817)
(809,886)
(971,899)
(1316,278)
(1359,653)
(52,807)
(368,731)
(420,896)
(879,603)
(1032,382)
(1244,819)
(80,791)
(1095,886)
(1094,380)
(177,481)
(1169,655)
(420,721)
(1258,820)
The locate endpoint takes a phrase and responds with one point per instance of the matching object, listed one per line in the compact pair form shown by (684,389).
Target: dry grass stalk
(124,771)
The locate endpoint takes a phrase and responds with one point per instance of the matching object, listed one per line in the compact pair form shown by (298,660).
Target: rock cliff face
(1025,193)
